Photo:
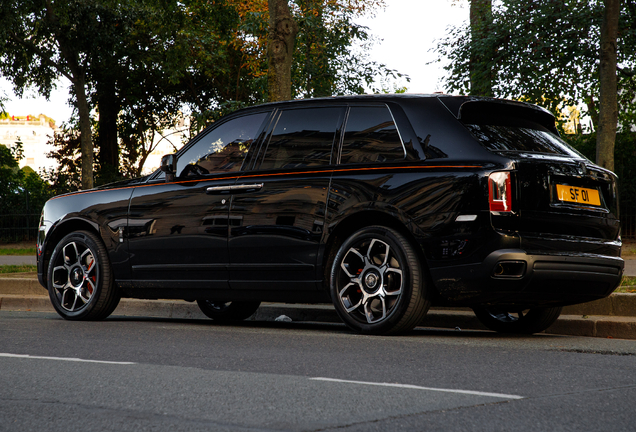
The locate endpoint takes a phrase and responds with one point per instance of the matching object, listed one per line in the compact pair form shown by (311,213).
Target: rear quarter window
(371,136)
(521,139)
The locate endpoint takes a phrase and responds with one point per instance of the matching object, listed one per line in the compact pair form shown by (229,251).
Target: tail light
(500,192)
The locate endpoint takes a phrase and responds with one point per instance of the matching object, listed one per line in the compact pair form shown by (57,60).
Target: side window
(302,137)
(223,148)
(371,136)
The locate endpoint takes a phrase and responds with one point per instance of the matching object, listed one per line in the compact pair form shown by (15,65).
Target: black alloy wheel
(80,282)
(225,311)
(522,321)
(377,282)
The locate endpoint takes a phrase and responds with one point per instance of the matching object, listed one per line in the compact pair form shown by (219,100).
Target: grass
(19,252)
(17,268)
(629,248)
(21,249)
(628,285)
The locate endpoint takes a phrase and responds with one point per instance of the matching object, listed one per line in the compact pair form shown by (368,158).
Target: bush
(22,193)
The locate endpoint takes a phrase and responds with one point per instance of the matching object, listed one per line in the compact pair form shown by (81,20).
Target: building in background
(34,133)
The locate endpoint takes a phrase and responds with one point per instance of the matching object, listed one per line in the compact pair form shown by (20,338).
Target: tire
(80,280)
(527,321)
(222,311)
(376,282)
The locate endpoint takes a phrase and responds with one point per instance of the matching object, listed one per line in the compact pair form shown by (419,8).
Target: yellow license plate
(578,195)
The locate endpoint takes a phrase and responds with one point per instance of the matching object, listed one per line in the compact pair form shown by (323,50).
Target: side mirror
(168,164)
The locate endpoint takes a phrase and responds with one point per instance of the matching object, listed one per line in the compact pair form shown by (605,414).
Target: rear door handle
(241,188)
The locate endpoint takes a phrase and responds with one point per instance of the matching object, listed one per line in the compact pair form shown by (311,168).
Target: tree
(3,99)
(140,70)
(90,42)
(22,191)
(10,179)
(144,64)
(331,57)
(66,177)
(548,53)
(41,40)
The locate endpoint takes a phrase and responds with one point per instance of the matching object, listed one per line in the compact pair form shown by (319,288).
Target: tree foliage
(10,178)
(41,40)
(144,64)
(479,62)
(22,191)
(547,52)
(624,164)
(331,55)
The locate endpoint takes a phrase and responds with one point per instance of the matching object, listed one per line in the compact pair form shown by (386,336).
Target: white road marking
(409,386)
(63,359)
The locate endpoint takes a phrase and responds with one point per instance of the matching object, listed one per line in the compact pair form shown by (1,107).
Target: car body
(383,204)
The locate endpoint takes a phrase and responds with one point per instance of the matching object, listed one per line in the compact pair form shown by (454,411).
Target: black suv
(383,205)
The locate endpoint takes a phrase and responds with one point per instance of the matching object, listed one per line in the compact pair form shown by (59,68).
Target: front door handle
(241,188)
(218,190)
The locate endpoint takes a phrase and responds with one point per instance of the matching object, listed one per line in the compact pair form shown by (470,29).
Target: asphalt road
(127,373)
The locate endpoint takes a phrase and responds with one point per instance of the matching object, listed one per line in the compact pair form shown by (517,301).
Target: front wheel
(526,321)
(80,282)
(376,282)
(223,311)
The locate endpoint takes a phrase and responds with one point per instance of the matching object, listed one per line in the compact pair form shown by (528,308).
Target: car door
(276,228)
(177,231)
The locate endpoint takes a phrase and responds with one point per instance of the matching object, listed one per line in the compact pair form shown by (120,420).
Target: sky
(408,30)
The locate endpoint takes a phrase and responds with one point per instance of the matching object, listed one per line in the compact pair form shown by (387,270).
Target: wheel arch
(357,221)
(57,233)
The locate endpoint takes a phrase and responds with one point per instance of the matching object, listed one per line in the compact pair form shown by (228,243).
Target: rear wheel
(223,311)
(80,282)
(526,321)
(376,282)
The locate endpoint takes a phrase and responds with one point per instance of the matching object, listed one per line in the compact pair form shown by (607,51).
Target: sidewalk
(630,266)
(17,260)
(613,317)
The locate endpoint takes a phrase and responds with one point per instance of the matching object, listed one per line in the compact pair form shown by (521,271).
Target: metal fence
(628,224)
(18,227)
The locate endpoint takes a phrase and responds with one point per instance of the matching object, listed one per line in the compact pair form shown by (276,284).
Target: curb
(16,285)
(617,327)
(619,305)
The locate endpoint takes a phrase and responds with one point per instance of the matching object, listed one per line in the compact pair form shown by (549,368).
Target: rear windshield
(521,139)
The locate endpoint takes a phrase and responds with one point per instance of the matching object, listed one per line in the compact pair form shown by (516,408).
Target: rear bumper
(529,279)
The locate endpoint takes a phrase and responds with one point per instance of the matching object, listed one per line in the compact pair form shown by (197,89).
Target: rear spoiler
(474,110)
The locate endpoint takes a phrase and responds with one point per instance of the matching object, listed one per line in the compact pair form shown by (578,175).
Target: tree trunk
(480,61)
(608,104)
(86,134)
(77,76)
(280,47)
(108,107)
